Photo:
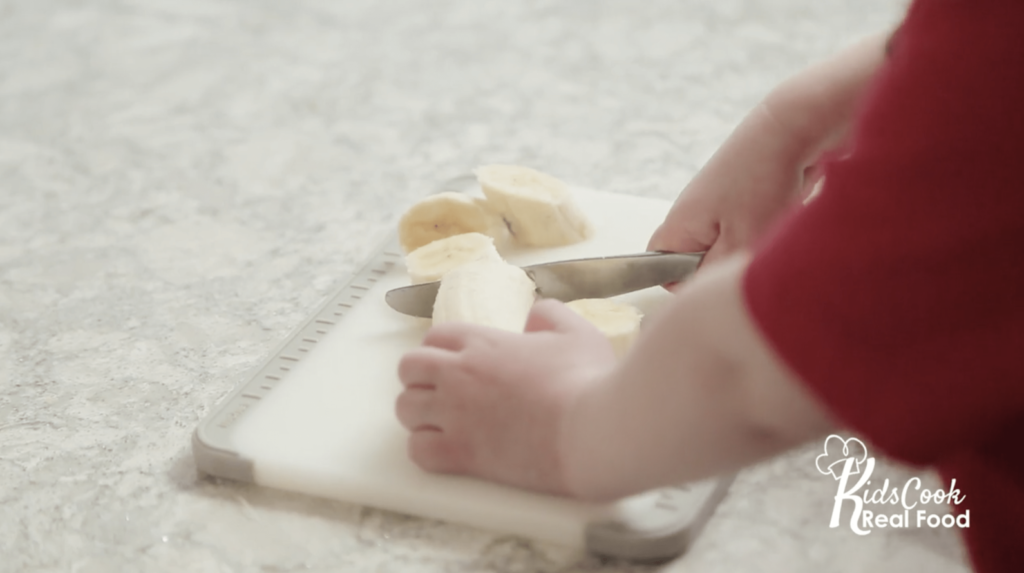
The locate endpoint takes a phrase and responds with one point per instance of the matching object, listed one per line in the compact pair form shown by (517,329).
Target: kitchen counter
(183,181)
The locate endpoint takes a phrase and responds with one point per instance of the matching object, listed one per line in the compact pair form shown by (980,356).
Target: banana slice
(498,229)
(443,215)
(537,207)
(619,321)
(491,293)
(431,261)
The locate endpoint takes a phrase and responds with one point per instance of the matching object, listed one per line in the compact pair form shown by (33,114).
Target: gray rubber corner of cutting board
(215,459)
(644,542)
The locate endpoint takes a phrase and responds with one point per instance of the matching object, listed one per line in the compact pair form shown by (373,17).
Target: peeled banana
(431,261)
(443,215)
(618,321)
(538,208)
(487,292)
(456,239)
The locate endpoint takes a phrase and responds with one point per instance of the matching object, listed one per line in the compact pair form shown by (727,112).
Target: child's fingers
(676,237)
(448,336)
(752,178)
(416,409)
(437,451)
(424,366)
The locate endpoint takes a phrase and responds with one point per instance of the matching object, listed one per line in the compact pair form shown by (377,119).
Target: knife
(598,277)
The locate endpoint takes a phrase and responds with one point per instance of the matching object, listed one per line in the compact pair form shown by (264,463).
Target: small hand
(759,172)
(771,162)
(492,404)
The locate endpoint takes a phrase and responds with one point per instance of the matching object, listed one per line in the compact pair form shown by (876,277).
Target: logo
(847,460)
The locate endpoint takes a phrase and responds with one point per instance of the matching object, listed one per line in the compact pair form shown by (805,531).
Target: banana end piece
(539,209)
(618,321)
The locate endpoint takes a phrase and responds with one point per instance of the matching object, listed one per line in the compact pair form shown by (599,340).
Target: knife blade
(597,277)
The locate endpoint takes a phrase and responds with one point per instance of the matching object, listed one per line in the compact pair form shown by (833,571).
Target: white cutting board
(322,421)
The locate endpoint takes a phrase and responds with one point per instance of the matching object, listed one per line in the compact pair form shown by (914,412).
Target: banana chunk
(433,260)
(619,321)
(538,208)
(486,292)
(443,215)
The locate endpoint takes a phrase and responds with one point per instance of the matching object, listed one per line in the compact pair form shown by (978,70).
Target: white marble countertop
(183,181)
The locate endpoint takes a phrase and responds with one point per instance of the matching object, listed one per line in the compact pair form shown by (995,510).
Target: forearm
(812,110)
(701,393)
(816,106)
(758,172)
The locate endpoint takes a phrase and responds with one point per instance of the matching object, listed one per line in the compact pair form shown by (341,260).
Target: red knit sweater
(897,295)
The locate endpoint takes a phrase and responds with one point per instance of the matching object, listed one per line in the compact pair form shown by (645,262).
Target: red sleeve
(898,294)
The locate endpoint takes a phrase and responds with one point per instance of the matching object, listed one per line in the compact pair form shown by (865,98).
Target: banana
(538,208)
(619,321)
(491,293)
(443,215)
(497,229)
(431,261)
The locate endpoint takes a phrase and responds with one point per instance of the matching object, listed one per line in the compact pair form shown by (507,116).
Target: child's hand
(492,404)
(754,177)
(768,164)
(552,410)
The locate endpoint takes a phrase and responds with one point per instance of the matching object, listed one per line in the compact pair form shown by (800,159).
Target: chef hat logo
(837,451)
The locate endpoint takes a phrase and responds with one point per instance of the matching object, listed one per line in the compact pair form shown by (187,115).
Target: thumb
(675,235)
(549,314)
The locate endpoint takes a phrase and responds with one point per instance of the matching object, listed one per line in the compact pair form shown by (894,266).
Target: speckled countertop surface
(183,181)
